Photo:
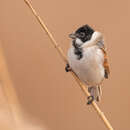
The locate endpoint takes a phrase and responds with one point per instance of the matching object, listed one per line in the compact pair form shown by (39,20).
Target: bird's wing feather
(105,64)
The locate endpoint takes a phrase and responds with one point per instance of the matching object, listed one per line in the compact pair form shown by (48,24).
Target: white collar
(96,37)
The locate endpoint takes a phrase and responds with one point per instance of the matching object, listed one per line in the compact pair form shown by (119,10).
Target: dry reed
(11,114)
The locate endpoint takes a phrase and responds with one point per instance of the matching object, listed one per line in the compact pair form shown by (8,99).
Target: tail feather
(96,92)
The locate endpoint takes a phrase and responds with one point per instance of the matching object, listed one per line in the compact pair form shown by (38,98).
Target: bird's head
(82,35)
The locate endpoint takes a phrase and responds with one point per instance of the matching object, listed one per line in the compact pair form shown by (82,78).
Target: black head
(84,33)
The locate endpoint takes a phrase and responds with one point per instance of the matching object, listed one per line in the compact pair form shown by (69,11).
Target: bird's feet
(67,68)
(90,100)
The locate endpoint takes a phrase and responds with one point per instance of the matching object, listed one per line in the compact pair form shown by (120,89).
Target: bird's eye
(82,34)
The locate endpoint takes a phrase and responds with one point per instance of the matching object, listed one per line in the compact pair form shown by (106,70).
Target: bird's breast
(90,67)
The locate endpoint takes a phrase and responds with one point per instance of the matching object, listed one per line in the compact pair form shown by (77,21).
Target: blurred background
(46,92)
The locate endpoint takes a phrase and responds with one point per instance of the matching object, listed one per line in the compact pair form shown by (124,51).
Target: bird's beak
(73,35)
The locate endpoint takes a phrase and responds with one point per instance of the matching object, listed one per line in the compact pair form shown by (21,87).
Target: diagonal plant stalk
(58,48)
(9,90)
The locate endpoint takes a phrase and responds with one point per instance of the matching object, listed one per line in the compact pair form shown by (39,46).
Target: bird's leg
(67,68)
(90,100)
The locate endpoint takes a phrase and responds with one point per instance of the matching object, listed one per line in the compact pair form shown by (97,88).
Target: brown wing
(105,64)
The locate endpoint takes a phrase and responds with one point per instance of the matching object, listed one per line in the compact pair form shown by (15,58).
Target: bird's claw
(90,100)
(67,68)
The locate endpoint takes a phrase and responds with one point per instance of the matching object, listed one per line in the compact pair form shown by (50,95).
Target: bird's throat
(78,51)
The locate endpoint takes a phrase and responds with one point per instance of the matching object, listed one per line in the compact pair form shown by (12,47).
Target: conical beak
(73,35)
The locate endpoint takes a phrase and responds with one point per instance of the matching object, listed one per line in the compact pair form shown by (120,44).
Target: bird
(87,58)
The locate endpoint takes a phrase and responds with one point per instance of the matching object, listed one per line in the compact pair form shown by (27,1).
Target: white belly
(90,67)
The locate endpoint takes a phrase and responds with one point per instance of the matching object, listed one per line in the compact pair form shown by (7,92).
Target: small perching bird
(87,57)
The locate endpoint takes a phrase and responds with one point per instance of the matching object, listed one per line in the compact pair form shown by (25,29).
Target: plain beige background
(45,90)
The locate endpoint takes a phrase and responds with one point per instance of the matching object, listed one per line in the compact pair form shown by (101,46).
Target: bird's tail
(96,92)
